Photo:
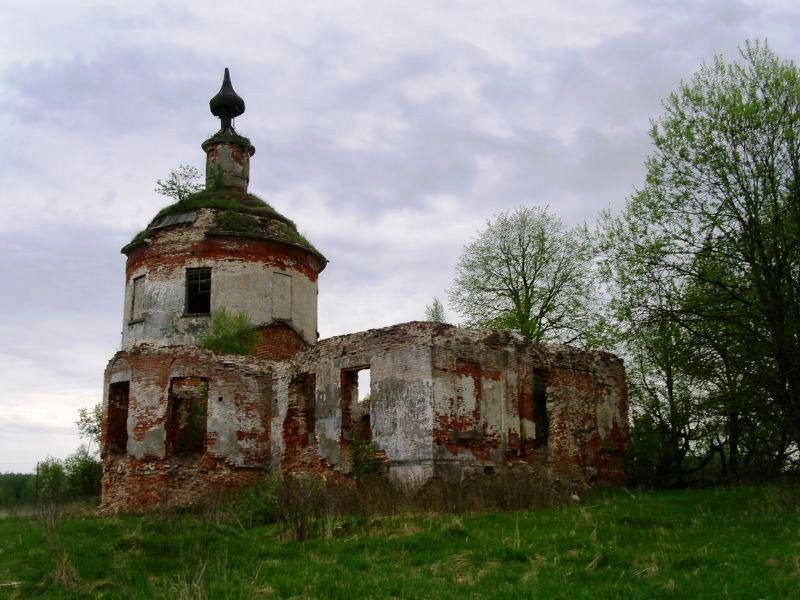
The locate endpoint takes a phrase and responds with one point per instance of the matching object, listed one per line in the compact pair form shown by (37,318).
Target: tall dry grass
(308,506)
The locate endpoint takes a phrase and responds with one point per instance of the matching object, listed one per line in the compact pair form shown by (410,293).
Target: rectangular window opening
(137,300)
(187,412)
(116,441)
(198,291)
(540,418)
(356,387)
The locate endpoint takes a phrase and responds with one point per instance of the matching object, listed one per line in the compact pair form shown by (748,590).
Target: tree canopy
(696,283)
(527,272)
(704,265)
(90,424)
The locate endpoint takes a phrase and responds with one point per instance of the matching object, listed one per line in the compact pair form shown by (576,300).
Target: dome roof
(236,213)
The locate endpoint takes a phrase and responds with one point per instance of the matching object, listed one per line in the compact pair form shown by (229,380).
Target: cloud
(372,131)
(389,131)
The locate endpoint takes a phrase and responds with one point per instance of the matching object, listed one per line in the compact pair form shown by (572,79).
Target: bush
(364,462)
(258,504)
(302,501)
(77,477)
(230,333)
(50,480)
(83,473)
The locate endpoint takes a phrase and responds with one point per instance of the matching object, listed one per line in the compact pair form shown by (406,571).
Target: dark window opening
(198,291)
(355,389)
(365,428)
(186,416)
(116,441)
(540,418)
(303,399)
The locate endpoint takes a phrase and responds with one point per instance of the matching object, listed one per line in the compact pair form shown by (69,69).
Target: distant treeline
(77,477)
(17,489)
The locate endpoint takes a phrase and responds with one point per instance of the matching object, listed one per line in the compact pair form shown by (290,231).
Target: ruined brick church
(180,421)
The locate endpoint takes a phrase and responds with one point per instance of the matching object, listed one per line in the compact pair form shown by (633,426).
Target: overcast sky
(388,131)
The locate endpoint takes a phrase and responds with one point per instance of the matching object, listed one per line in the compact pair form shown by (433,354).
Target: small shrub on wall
(230,333)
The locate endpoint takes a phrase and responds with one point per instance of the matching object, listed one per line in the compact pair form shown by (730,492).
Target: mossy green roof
(239,214)
(233,200)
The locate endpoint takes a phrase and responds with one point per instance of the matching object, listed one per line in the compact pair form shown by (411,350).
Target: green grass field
(741,542)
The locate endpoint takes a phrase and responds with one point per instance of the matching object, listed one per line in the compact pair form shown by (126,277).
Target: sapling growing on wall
(435,311)
(182,182)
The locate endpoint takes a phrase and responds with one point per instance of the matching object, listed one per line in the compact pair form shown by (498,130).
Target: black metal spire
(227,104)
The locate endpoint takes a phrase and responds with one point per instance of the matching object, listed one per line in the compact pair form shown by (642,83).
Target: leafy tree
(83,473)
(669,437)
(710,248)
(727,165)
(90,424)
(181,182)
(50,480)
(76,477)
(527,272)
(435,312)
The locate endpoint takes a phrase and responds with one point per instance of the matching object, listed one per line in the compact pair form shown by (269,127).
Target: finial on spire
(227,104)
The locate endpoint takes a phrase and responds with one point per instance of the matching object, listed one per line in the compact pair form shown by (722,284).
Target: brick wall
(244,272)
(444,401)
(235,448)
(278,341)
(454,402)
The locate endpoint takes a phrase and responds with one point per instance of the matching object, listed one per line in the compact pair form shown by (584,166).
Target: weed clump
(230,333)
(258,504)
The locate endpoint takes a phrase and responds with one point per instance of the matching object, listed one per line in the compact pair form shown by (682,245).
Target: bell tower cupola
(227,153)
(222,248)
